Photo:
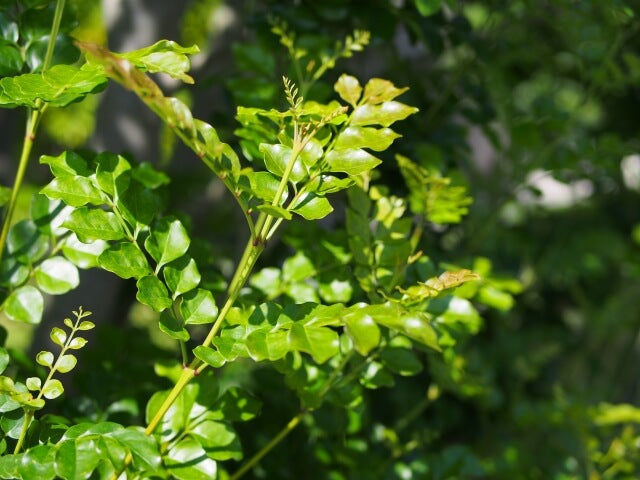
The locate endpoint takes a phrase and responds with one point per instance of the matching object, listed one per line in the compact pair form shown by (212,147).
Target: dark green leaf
(401,360)
(10,60)
(353,162)
(235,405)
(181,275)
(12,273)
(428,7)
(138,205)
(8,29)
(198,307)
(11,423)
(94,224)
(112,173)
(57,275)
(65,52)
(173,327)
(152,292)
(24,305)
(125,260)
(168,240)
(26,243)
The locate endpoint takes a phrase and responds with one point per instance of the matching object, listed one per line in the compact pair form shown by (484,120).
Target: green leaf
(209,356)
(57,275)
(276,159)
(138,205)
(378,90)
(321,343)
(198,307)
(24,305)
(4,359)
(181,275)
(83,255)
(377,139)
(144,448)
(264,185)
(5,195)
(189,461)
(111,174)
(235,405)
(77,342)
(48,215)
(52,389)
(26,243)
(12,273)
(313,207)
(218,439)
(94,224)
(58,336)
(384,114)
(10,60)
(348,88)
(125,260)
(277,212)
(376,376)
(45,359)
(77,459)
(312,152)
(11,423)
(362,330)
(74,190)
(165,56)
(39,462)
(34,384)
(168,241)
(401,361)
(428,7)
(297,268)
(58,86)
(152,292)
(67,163)
(86,325)
(350,161)
(173,327)
(325,184)
(149,176)
(66,363)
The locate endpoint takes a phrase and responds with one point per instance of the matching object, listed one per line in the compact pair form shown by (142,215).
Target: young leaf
(377,139)
(52,389)
(57,275)
(74,190)
(165,56)
(24,305)
(66,363)
(168,241)
(401,361)
(189,461)
(45,359)
(277,212)
(379,90)
(58,336)
(111,174)
(94,224)
(77,343)
(48,214)
(86,325)
(276,159)
(34,384)
(181,275)
(67,163)
(198,307)
(125,260)
(362,330)
(209,356)
(384,114)
(152,292)
(349,89)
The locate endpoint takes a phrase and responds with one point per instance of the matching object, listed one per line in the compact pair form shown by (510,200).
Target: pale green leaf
(168,241)
(276,159)
(377,139)
(24,305)
(349,89)
(351,161)
(52,389)
(313,207)
(384,114)
(74,190)
(198,307)
(83,255)
(57,275)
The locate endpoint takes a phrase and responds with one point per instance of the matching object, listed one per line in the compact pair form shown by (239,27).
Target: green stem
(293,423)
(185,378)
(23,432)
(32,126)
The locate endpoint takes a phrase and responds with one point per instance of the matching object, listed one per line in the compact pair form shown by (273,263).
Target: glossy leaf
(351,161)
(324,184)
(401,361)
(198,307)
(274,211)
(384,114)
(77,343)
(349,89)
(111,174)
(362,330)
(168,241)
(26,243)
(52,389)
(24,305)
(86,325)
(264,185)
(377,139)
(138,205)
(74,190)
(58,86)
(218,439)
(48,215)
(152,292)
(165,56)
(379,90)
(313,207)
(83,255)
(209,356)
(67,163)
(4,359)
(189,461)
(94,224)
(148,176)
(181,275)
(66,363)
(10,60)
(144,449)
(12,273)
(276,159)
(125,260)
(58,336)
(173,327)
(57,275)
(45,358)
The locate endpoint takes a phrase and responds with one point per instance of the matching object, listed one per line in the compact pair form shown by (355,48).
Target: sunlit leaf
(24,304)
(57,275)
(152,292)
(168,241)
(125,260)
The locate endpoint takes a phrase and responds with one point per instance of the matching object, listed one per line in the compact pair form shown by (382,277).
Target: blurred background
(533,105)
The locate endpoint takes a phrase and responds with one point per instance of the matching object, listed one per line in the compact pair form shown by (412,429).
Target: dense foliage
(387,242)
